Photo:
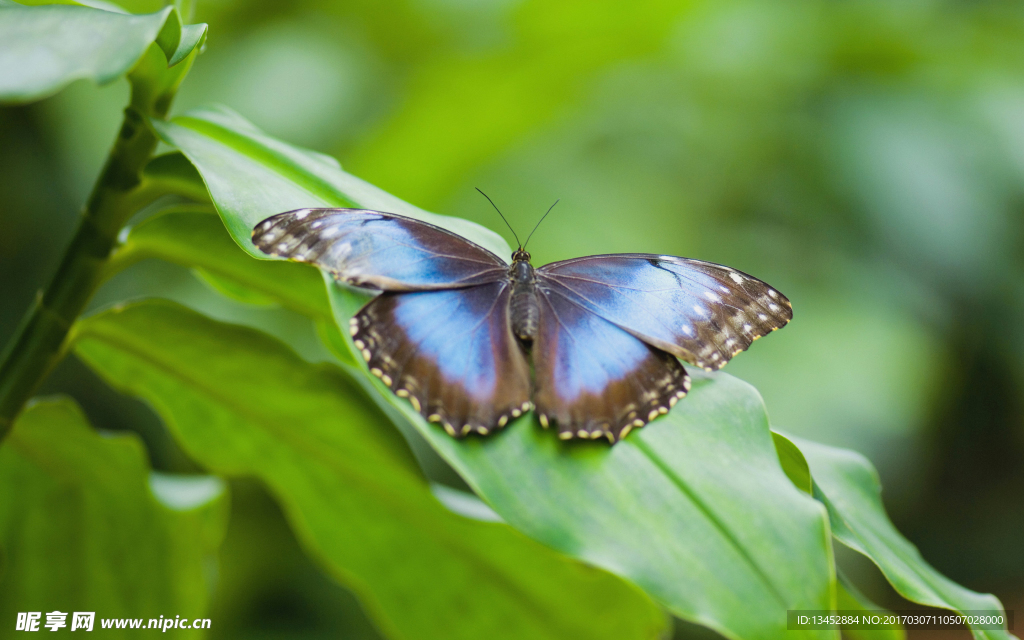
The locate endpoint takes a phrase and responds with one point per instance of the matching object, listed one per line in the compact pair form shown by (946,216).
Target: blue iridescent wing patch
(701,312)
(378,250)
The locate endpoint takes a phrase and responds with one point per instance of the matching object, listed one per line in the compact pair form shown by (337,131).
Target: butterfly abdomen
(523,309)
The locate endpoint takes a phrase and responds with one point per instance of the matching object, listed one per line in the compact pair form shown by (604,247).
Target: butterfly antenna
(540,221)
(502,217)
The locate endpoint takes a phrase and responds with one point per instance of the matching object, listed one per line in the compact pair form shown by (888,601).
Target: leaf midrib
(710,515)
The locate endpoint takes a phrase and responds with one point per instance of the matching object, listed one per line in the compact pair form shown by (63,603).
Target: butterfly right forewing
(702,312)
(612,326)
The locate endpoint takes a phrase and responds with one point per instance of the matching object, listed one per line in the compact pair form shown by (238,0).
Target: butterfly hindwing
(594,379)
(451,353)
(702,312)
(378,250)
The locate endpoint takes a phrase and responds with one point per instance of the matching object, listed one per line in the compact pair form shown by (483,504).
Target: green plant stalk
(119,192)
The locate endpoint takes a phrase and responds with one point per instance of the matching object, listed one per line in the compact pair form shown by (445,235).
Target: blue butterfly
(455,327)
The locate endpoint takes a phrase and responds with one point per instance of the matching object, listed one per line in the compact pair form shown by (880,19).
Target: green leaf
(178,40)
(173,173)
(252,176)
(242,403)
(793,463)
(81,528)
(154,84)
(695,509)
(197,239)
(44,48)
(231,289)
(849,487)
(851,599)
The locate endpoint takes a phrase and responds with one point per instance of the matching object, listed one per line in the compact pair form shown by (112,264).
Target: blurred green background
(866,158)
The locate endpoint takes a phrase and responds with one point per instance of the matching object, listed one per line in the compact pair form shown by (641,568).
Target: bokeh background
(866,158)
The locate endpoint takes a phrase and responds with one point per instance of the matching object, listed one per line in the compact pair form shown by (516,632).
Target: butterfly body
(455,329)
(524,309)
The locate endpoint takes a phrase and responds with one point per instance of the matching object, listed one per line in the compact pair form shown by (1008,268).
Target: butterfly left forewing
(702,312)
(378,250)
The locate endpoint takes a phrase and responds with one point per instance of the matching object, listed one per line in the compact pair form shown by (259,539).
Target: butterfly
(455,328)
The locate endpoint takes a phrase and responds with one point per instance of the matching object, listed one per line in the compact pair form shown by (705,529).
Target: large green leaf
(695,509)
(81,529)
(44,48)
(252,176)
(849,487)
(242,403)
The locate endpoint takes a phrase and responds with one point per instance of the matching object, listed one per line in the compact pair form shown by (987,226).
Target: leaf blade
(592,525)
(44,48)
(242,403)
(710,596)
(849,487)
(197,239)
(252,176)
(82,530)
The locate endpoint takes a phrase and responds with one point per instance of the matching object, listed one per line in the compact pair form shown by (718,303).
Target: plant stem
(120,191)
(39,342)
